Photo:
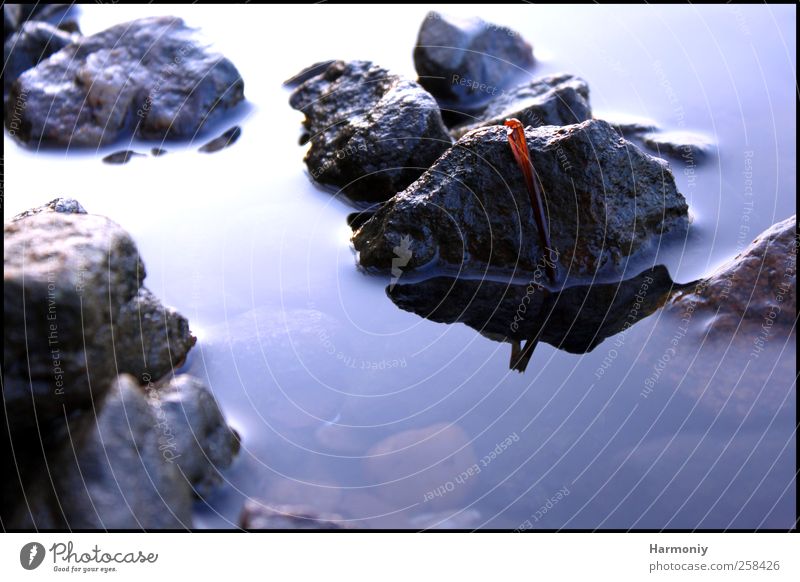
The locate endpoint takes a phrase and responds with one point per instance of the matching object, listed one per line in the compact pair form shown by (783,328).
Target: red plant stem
(519,147)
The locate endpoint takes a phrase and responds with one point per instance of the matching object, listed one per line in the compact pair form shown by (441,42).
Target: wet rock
(463,61)
(372,133)
(682,145)
(221,142)
(421,466)
(15,15)
(561,99)
(152,78)
(122,157)
(32,43)
(157,152)
(111,471)
(605,199)
(575,319)
(150,339)
(65,205)
(200,441)
(759,285)
(258,516)
(67,276)
(308,73)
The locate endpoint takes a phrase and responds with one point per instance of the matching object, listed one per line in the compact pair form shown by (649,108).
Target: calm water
(316,367)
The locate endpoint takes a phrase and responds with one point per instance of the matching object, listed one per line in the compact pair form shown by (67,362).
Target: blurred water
(317,368)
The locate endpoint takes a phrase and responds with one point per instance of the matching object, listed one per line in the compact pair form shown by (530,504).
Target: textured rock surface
(604,198)
(561,99)
(133,464)
(202,441)
(65,205)
(257,516)
(461,61)
(32,43)
(67,276)
(150,339)
(759,284)
(372,133)
(151,77)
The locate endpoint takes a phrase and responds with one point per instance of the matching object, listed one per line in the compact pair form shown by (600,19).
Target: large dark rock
(134,463)
(69,277)
(463,62)
(33,42)
(15,15)
(605,200)
(372,133)
(152,78)
(576,319)
(561,99)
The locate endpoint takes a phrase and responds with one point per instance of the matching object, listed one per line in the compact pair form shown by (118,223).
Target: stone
(33,42)
(607,203)
(76,313)
(682,145)
(65,205)
(371,133)
(150,339)
(561,99)
(421,466)
(759,284)
(227,139)
(462,61)
(152,78)
(200,440)
(258,516)
(122,157)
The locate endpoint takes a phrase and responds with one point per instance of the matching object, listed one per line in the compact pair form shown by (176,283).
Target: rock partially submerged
(605,200)
(462,62)
(69,277)
(33,42)
(757,286)
(122,157)
(576,319)
(152,78)
(258,516)
(682,145)
(228,138)
(372,133)
(133,464)
(150,339)
(561,99)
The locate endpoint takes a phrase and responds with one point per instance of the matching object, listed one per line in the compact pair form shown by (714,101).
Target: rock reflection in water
(575,319)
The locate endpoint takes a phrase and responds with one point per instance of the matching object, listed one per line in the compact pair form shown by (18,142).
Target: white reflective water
(317,368)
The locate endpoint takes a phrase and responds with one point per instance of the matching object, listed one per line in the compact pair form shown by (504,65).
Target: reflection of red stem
(519,147)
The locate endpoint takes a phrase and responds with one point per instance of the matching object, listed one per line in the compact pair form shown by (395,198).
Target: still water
(349,405)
